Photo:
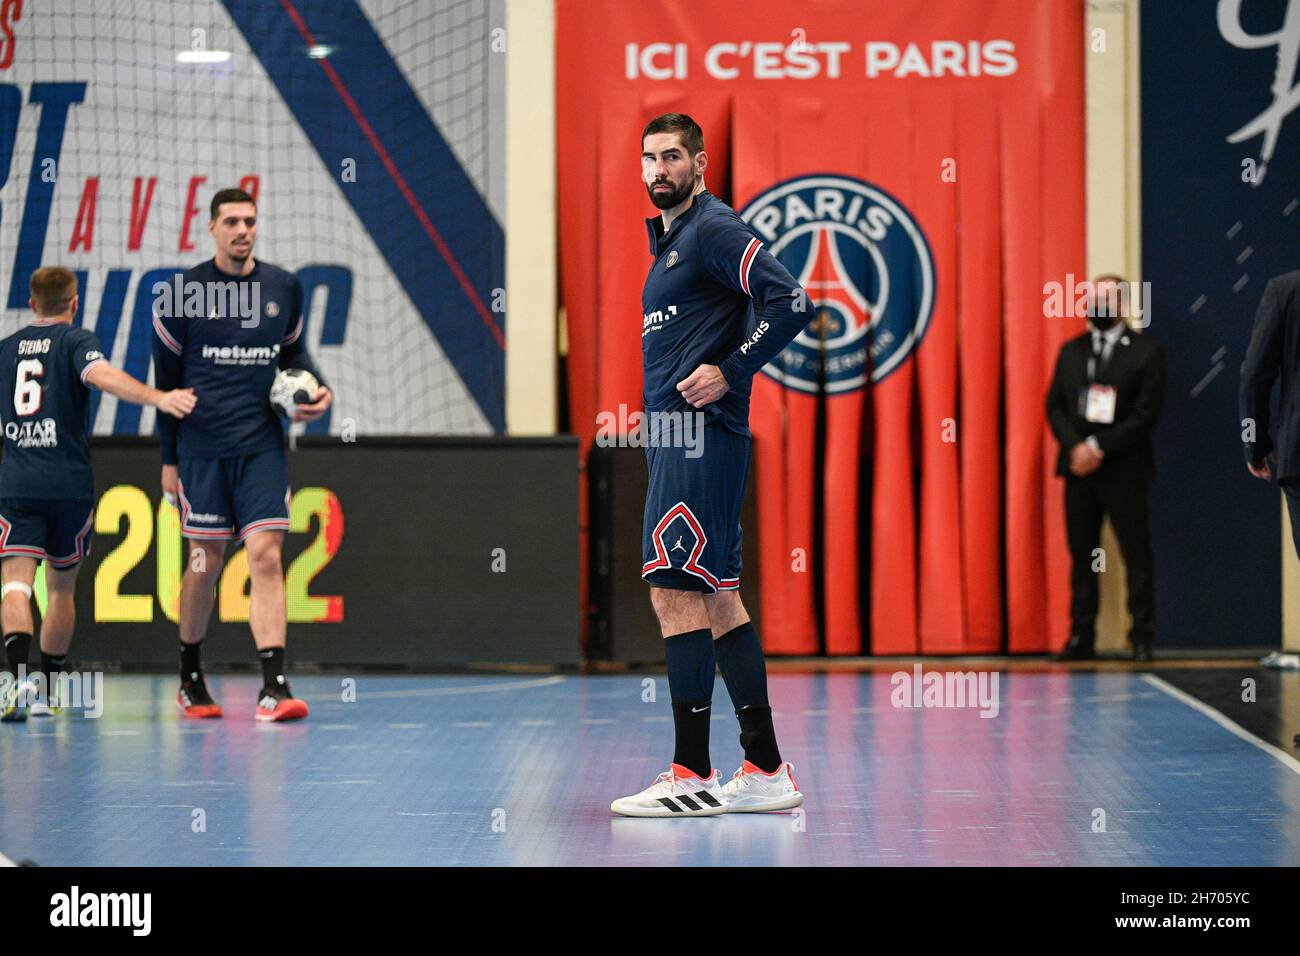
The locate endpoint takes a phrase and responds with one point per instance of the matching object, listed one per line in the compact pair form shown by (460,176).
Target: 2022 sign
(127,510)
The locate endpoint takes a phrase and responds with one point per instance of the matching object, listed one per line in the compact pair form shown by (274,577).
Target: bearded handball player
(226,465)
(718,307)
(47,491)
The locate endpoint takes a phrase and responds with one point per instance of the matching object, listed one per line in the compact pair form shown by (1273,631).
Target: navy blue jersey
(225,336)
(714,296)
(43,401)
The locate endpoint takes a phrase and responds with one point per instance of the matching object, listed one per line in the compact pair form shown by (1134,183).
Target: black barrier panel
(417,553)
(1215,229)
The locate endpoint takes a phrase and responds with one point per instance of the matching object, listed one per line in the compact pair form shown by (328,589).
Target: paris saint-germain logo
(867,269)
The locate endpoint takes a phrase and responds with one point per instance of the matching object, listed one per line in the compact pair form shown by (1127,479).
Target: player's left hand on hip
(309,413)
(703,386)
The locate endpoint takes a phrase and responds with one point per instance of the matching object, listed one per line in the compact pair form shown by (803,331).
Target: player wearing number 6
(224,328)
(47,493)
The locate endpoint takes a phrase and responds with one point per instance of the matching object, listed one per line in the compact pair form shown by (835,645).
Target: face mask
(1103,320)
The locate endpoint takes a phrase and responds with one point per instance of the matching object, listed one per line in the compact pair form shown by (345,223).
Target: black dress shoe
(1142,650)
(1078,649)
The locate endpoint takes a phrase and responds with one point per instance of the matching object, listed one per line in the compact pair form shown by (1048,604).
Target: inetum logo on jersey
(867,269)
(241,354)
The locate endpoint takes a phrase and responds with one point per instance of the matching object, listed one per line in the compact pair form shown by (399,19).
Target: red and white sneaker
(194,700)
(280,704)
(750,790)
(677,792)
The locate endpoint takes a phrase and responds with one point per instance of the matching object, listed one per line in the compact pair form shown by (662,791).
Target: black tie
(1098,350)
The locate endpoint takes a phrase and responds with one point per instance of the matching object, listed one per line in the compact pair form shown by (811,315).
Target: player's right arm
(168,347)
(93,369)
(176,402)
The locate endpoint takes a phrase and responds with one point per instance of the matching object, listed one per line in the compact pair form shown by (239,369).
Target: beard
(675,195)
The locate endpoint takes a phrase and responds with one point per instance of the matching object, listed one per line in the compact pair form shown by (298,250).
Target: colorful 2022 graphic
(127,510)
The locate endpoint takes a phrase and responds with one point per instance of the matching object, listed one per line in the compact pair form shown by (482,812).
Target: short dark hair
(687,129)
(53,289)
(229,195)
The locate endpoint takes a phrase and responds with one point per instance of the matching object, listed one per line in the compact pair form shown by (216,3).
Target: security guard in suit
(1103,405)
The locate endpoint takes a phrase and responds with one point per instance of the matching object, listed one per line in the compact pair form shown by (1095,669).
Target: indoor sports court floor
(521,769)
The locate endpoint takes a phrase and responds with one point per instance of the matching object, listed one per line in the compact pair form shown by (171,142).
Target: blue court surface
(422,770)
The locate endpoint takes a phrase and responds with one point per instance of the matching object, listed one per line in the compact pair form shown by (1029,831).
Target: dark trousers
(1124,501)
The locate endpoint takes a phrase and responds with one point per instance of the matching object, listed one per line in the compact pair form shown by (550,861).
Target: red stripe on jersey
(163,334)
(746,261)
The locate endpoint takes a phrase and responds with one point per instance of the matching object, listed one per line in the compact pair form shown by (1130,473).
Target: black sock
(52,666)
(758,737)
(191,669)
(740,659)
(272,668)
(690,682)
(17,646)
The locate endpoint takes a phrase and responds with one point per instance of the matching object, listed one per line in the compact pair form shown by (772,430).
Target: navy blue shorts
(56,532)
(691,533)
(225,497)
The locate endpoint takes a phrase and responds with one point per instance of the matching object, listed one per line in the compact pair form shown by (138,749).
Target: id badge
(1099,406)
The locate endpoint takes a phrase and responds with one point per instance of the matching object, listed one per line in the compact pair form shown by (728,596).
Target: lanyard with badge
(1097,402)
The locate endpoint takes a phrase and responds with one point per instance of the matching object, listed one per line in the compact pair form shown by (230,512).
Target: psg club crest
(867,269)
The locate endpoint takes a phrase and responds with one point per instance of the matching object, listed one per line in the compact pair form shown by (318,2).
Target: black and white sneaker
(194,700)
(677,792)
(278,703)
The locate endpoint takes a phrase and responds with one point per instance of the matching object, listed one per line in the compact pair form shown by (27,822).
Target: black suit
(1120,486)
(1274,351)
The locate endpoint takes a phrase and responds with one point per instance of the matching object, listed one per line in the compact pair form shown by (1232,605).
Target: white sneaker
(750,790)
(677,792)
(46,706)
(18,697)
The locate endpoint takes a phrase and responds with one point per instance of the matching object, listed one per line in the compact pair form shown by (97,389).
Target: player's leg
(18,574)
(70,528)
(260,486)
(674,543)
(744,671)
(764,781)
(57,625)
(688,652)
(207,524)
(204,558)
(690,786)
(267,618)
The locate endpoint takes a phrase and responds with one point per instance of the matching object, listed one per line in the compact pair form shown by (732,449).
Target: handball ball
(292,387)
